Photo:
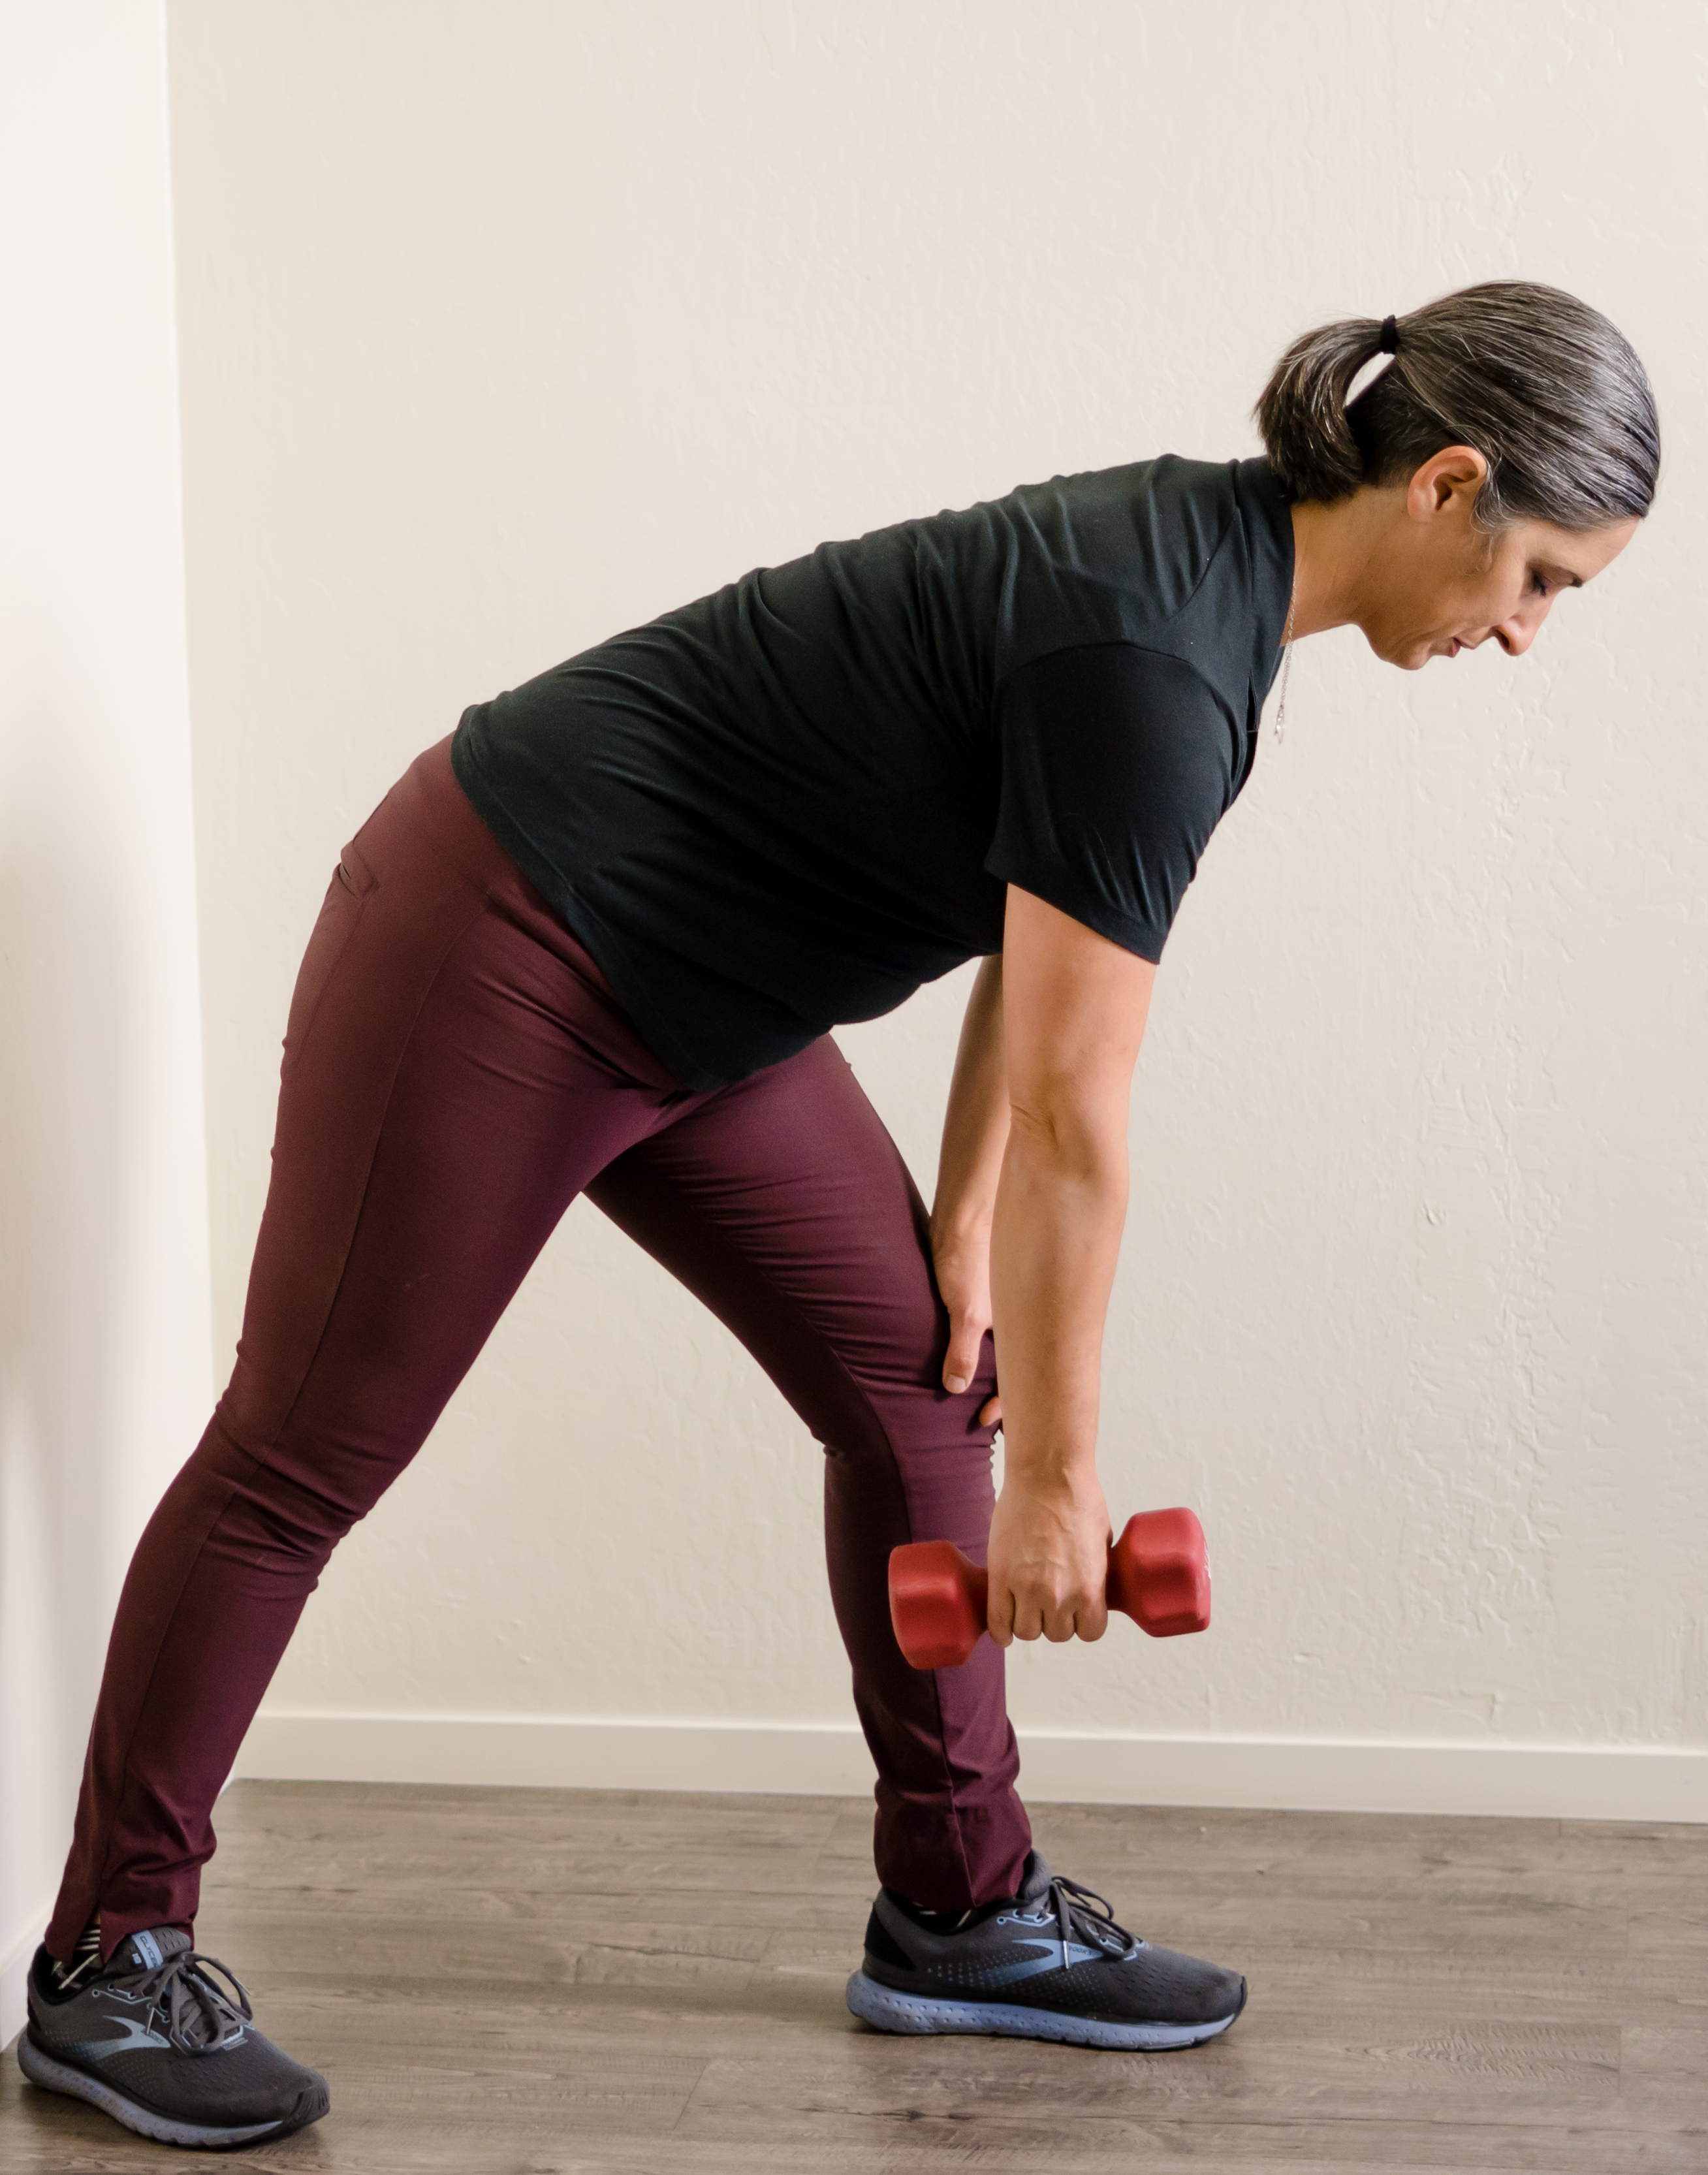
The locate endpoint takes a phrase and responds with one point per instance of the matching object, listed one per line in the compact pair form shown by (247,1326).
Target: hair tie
(1388,339)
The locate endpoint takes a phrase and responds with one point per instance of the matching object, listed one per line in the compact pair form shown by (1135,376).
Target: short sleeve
(1117,764)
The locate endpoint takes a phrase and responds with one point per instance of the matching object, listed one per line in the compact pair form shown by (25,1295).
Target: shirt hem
(1142,938)
(600,942)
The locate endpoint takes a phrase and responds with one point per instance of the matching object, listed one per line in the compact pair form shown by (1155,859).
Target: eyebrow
(1558,573)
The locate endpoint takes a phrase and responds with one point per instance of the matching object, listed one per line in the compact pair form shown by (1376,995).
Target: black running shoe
(152,2041)
(1051,1963)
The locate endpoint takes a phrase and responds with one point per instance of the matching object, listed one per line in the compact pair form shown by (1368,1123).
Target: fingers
(1079,1616)
(990,1411)
(966,1347)
(1082,1617)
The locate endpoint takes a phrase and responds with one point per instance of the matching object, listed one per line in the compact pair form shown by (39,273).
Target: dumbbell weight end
(939,1604)
(1159,1573)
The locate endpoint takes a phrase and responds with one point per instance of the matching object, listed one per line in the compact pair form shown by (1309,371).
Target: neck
(1333,545)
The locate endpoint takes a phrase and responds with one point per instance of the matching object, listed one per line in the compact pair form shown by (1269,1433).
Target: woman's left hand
(963,1278)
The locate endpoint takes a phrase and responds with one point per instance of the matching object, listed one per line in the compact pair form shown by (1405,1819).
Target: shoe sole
(887,2010)
(55,2076)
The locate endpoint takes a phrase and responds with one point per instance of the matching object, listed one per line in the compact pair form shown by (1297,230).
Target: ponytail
(1303,414)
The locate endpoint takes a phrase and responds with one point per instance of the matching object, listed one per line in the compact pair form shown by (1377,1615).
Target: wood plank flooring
(554,1982)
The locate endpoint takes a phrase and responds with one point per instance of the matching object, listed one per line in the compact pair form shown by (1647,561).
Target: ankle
(949,1922)
(84,1961)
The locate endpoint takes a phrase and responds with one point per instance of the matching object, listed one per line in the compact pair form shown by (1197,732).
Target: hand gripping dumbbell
(1159,1575)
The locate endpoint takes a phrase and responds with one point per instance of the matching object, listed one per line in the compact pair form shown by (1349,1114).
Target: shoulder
(1138,553)
(1167,517)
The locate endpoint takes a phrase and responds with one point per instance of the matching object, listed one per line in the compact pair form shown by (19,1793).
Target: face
(1440,584)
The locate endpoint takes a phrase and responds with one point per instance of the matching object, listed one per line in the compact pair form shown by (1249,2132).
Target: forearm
(975,1125)
(1055,1238)
(1073,1007)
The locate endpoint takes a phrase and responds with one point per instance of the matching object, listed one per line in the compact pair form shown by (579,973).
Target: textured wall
(103,1207)
(505,327)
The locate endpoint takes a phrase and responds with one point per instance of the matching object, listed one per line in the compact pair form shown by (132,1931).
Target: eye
(1538,582)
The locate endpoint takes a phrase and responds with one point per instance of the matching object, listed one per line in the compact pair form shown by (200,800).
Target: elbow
(1072,1136)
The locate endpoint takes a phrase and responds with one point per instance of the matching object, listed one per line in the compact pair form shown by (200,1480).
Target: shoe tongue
(148,1951)
(1035,1881)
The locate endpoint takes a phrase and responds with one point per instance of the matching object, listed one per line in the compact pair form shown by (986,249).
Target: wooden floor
(536,1980)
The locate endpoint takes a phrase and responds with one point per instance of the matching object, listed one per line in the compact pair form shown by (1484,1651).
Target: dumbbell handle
(1159,1575)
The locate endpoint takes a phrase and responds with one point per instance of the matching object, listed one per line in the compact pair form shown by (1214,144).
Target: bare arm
(1074,1006)
(975,1133)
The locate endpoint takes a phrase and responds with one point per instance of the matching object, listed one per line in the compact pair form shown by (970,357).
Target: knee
(267,1518)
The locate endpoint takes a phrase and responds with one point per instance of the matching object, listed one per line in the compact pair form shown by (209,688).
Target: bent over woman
(594,942)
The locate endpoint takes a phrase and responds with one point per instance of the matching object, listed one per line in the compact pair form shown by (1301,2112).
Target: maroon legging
(456,1070)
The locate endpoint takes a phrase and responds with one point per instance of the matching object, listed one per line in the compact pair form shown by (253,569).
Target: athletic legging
(456,1070)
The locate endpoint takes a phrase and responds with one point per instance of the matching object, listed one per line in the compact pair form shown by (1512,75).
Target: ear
(1449,480)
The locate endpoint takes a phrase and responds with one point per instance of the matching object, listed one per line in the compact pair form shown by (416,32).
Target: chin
(1408,657)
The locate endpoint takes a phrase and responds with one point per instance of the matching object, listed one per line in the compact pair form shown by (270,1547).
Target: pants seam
(403,1048)
(260,1460)
(105,1867)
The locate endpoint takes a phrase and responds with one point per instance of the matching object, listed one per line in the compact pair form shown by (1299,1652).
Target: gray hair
(1544,387)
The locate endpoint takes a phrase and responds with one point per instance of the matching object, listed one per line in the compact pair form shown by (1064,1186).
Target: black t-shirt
(790,804)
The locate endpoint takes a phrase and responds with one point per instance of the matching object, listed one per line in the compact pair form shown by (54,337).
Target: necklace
(1286,666)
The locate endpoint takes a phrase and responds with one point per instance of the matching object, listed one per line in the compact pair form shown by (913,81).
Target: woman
(593,944)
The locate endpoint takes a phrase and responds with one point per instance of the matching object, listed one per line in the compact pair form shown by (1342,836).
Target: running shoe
(154,2042)
(1050,1963)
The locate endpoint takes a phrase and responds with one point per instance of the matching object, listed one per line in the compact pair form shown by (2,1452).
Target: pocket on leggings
(352,883)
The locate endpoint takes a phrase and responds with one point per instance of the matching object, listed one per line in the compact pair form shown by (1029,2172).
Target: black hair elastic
(1388,341)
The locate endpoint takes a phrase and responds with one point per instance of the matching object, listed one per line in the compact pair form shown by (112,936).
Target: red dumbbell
(1159,1575)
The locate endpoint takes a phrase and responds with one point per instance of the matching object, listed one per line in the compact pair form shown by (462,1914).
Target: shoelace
(198,2018)
(1071,1900)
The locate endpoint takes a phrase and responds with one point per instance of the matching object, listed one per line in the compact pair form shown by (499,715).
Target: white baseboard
(559,1752)
(15,1971)
(1637,1783)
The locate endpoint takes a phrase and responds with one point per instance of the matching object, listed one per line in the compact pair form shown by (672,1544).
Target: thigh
(455,1068)
(784,1204)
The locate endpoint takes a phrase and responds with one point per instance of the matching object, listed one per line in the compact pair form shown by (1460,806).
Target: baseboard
(559,1752)
(1559,1782)
(15,1971)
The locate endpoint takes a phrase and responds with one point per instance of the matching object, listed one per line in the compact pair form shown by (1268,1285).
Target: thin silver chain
(1286,667)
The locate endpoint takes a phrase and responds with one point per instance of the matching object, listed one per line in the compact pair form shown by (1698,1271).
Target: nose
(1520,628)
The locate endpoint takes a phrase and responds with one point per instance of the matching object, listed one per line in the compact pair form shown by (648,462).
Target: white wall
(505,327)
(104,1355)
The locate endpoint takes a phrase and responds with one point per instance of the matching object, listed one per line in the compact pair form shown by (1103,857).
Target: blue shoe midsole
(56,2076)
(889,2010)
